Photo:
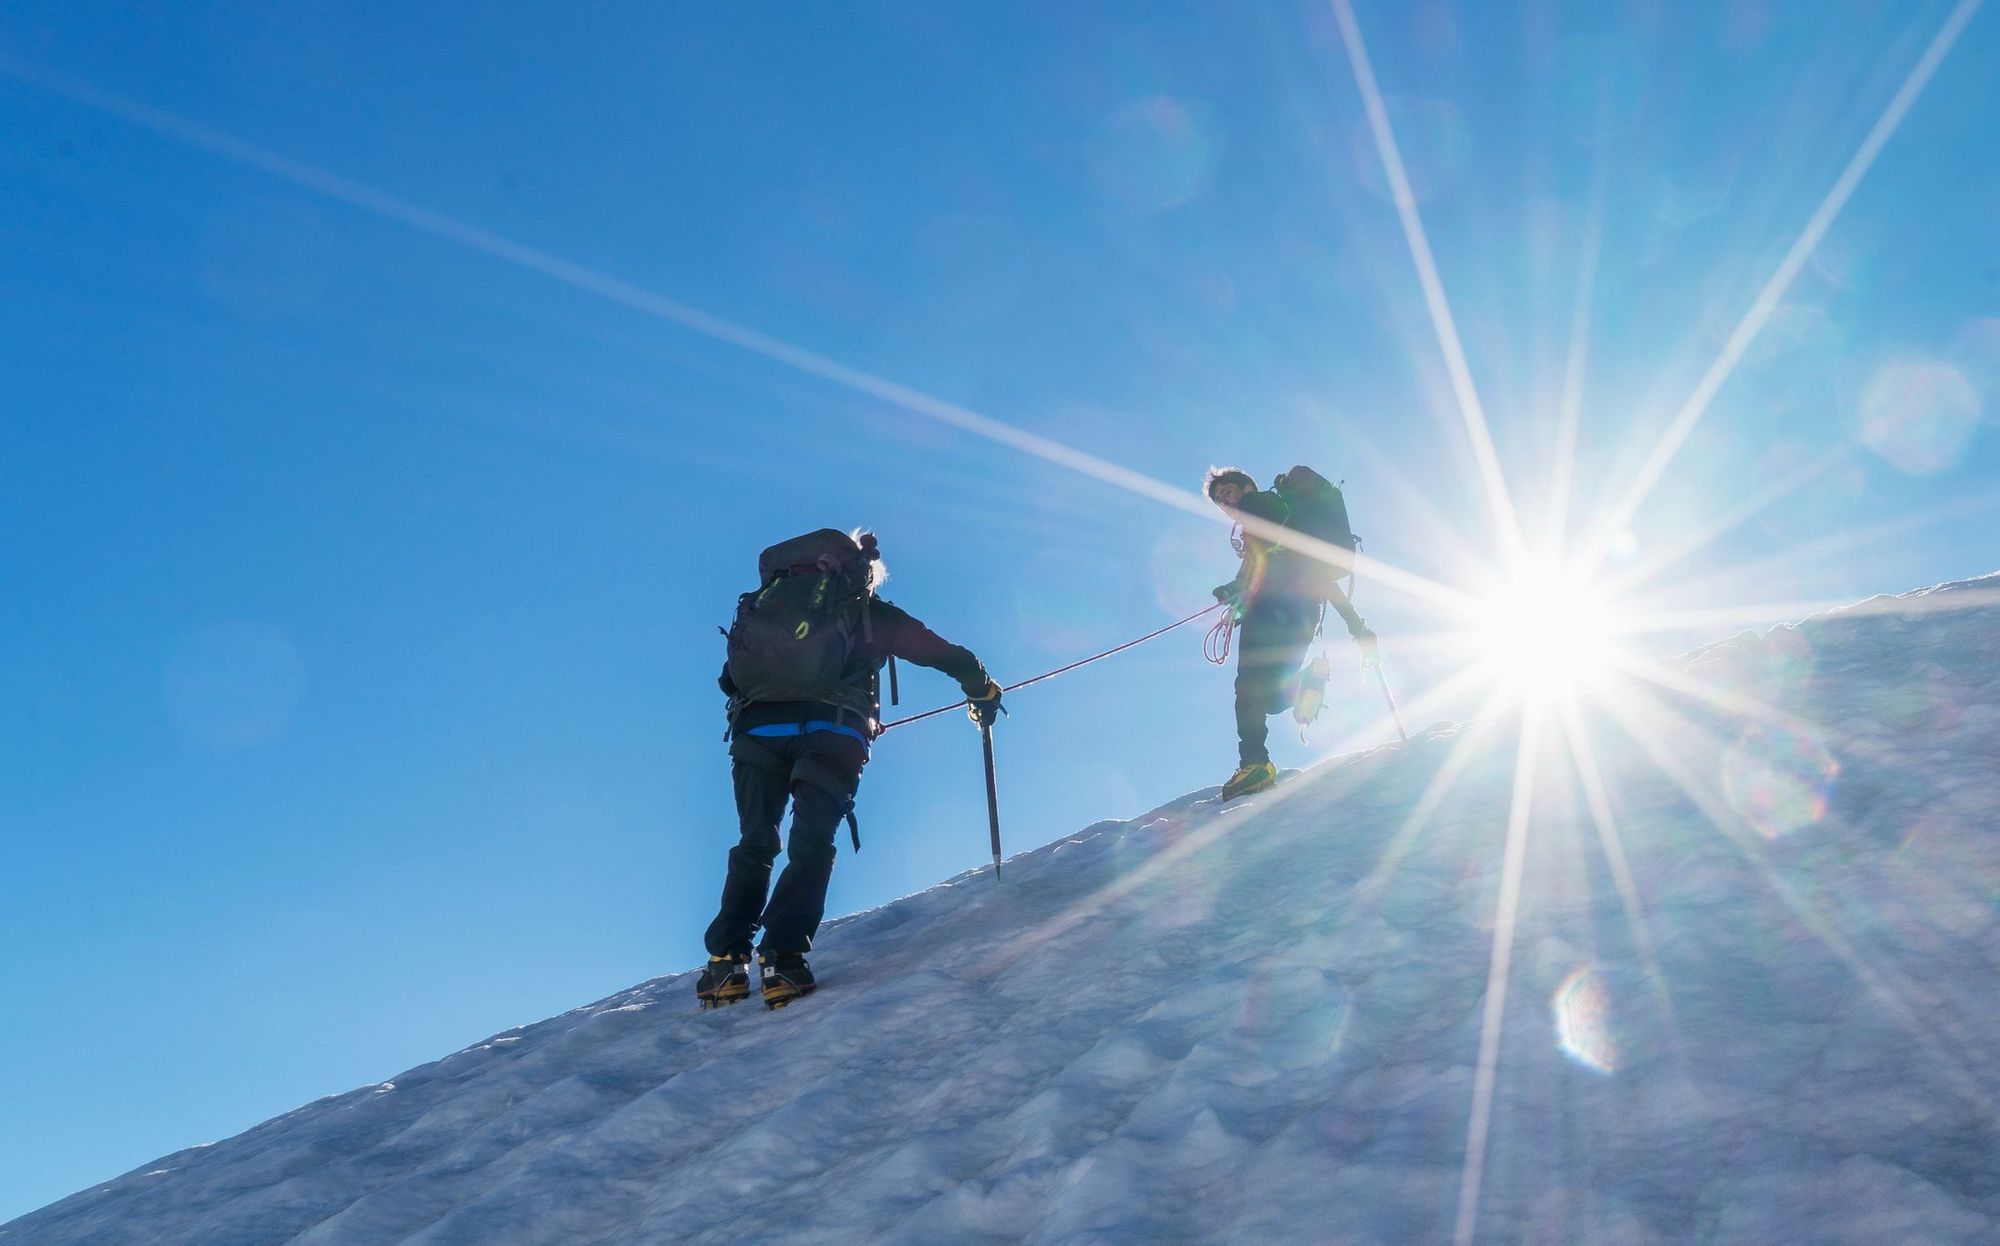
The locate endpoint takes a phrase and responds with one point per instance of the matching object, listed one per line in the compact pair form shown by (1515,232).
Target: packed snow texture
(1263,1023)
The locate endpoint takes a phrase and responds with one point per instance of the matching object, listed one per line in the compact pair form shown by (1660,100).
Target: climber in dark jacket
(811,753)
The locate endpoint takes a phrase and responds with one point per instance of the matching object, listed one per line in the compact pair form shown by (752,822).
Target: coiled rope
(1215,646)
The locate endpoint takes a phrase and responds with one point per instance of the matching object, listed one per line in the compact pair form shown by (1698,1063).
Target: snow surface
(1264,1023)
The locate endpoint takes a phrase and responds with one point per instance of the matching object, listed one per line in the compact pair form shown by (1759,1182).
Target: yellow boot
(725,980)
(1248,779)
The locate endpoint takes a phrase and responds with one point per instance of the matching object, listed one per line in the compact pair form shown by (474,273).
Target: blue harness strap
(785,729)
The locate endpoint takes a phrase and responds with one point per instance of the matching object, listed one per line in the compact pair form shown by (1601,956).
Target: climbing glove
(1371,649)
(983,707)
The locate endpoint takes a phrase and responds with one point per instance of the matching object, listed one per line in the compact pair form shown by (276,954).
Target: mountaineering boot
(725,981)
(1248,779)
(786,977)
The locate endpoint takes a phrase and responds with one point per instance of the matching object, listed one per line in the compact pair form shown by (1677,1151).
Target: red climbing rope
(1215,646)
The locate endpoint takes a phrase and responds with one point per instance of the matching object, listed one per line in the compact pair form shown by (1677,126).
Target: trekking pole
(992,795)
(1395,715)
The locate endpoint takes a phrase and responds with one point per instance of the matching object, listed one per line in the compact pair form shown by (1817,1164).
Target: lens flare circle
(1919,415)
(1779,781)
(1154,153)
(1583,1020)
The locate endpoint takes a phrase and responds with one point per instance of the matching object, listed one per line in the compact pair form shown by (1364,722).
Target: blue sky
(357,659)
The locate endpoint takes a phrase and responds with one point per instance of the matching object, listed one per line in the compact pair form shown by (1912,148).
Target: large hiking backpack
(793,638)
(1319,510)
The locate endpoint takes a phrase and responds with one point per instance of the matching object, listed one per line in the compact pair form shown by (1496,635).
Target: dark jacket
(1267,567)
(892,632)
(1277,574)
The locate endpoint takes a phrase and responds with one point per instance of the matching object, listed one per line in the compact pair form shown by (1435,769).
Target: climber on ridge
(1278,599)
(805,653)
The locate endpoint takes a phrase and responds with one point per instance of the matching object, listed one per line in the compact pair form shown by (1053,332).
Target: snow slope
(1265,1023)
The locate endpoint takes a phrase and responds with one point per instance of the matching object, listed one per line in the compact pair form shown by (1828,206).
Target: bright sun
(1547,634)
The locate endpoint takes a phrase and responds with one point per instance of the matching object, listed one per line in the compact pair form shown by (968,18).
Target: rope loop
(1215,646)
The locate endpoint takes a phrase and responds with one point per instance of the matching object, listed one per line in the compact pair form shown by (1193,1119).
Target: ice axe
(992,795)
(982,714)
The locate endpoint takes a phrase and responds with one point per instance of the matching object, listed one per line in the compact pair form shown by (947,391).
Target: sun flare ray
(1412,827)
(1597,800)
(1757,710)
(1830,548)
(1762,614)
(1569,410)
(1876,982)
(1472,413)
(1784,487)
(1499,967)
(617,290)
(1774,288)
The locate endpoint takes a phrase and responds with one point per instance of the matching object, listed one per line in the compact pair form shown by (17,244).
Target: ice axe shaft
(992,795)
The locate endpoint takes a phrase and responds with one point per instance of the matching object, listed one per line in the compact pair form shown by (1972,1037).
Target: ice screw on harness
(1312,693)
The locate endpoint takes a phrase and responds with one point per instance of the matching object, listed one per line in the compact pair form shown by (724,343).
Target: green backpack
(793,638)
(1319,510)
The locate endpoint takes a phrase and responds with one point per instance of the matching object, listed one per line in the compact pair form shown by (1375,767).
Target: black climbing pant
(818,772)
(1271,644)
